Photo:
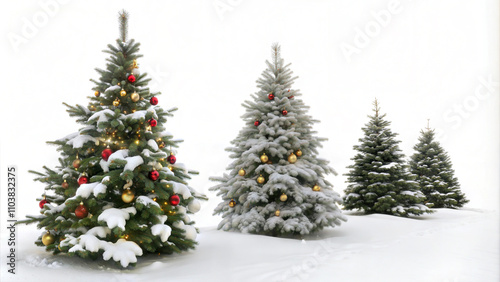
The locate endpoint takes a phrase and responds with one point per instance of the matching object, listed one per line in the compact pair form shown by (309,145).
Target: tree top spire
(428,127)
(377,108)
(123,20)
(276,53)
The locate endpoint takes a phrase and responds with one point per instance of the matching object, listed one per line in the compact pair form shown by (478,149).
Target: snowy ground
(449,245)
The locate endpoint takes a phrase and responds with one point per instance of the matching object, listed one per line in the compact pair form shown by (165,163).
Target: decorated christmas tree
(276,184)
(435,174)
(379,181)
(118,191)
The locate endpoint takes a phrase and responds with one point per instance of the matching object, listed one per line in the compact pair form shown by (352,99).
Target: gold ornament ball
(65,185)
(92,107)
(47,239)
(277,213)
(232,203)
(116,103)
(260,179)
(76,163)
(283,197)
(264,158)
(241,172)
(97,93)
(292,158)
(161,145)
(135,97)
(298,153)
(123,93)
(316,188)
(128,196)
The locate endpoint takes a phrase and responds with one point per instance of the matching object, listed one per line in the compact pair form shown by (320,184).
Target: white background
(425,61)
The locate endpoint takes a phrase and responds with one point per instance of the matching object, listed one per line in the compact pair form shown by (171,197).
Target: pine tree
(118,191)
(379,181)
(435,174)
(276,184)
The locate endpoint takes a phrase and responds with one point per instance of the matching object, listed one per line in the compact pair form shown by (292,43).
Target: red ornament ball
(154,175)
(153,101)
(174,200)
(81,211)
(131,78)
(284,112)
(106,153)
(270,96)
(291,97)
(42,203)
(256,123)
(171,159)
(153,122)
(83,180)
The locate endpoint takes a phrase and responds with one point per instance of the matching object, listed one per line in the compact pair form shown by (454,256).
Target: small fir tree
(118,191)
(433,168)
(379,181)
(276,183)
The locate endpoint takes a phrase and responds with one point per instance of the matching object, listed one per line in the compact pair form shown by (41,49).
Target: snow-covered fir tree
(379,180)
(432,166)
(276,184)
(118,191)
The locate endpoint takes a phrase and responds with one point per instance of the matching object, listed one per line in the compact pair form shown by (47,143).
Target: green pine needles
(118,192)
(275,184)
(435,175)
(379,181)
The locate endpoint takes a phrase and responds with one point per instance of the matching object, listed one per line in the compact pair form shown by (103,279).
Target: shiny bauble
(316,188)
(152,122)
(171,159)
(264,158)
(42,203)
(153,175)
(135,97)
(241,172)
(131,78)
(283,197)
(261,179)
(298,153)
(174,200)
(270,96)
(65,184)
(232,203)
(292,158)
(277,213)
(256,123)
(123,93)
(48,239)
(128,196)
(97,93)
(153,101)
(106,153)
(82,180)
(284,112)
(76,163)
(116,103)
(81,211)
